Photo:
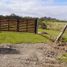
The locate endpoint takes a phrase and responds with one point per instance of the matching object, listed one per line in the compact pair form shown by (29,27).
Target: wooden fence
(19,25)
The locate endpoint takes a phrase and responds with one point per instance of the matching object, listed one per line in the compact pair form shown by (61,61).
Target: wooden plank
(31,26)
(22,30)
(22,25)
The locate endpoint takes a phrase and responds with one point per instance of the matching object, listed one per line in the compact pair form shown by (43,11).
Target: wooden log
(61,34)
(36,26)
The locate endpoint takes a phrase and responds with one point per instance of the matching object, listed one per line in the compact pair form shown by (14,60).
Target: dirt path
(31,55)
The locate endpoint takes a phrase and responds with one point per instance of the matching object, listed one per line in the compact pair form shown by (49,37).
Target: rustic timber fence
(19,25)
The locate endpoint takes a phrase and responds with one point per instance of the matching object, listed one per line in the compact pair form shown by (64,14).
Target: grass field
(17,37)
(54,29)
(52,34)
(55,25)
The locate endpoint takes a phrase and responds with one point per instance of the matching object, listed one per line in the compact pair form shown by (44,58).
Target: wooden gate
(19,25)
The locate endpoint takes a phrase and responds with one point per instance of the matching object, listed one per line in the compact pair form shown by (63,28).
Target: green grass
(52,34)
(65,36)
(55,25)
(18,37)
(63,58)
(53,29)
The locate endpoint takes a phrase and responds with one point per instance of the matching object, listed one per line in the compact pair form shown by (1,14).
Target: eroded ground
(31,55)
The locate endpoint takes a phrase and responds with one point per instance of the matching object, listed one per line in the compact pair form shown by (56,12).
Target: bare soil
(31,55)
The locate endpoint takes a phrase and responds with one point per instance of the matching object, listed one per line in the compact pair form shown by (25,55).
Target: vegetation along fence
(19,25)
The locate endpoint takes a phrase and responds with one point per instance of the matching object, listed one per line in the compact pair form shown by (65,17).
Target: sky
(35,8)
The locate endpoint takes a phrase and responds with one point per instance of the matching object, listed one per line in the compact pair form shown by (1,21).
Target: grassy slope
(55,25)
(52,34)
(17,37)
(55,28)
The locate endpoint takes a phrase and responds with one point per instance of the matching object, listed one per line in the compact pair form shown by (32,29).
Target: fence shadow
(47,37)
(9,51)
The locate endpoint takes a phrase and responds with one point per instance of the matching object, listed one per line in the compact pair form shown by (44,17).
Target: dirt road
(30,55)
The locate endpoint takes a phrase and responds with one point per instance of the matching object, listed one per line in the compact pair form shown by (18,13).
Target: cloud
(36,8)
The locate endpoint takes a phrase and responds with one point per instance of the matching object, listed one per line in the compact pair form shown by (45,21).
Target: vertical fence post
(0,25)
(17,25)
(36,26)
(26,25)
(8,24)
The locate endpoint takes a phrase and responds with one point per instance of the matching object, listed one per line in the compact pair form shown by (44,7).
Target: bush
(43,26)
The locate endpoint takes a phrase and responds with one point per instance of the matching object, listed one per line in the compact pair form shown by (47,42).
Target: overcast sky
(35,8)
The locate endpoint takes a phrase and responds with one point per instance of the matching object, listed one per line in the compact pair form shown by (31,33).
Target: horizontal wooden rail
(24,25)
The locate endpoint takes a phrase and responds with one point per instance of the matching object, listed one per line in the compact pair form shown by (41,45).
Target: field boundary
(19,25)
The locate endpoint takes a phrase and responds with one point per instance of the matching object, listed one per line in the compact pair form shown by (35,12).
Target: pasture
(53,30)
